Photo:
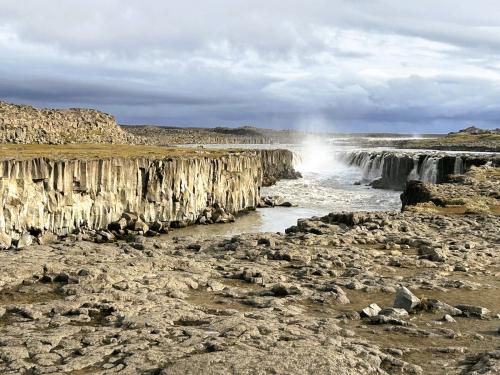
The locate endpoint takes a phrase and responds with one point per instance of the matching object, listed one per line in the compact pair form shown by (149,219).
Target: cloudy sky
(358,65)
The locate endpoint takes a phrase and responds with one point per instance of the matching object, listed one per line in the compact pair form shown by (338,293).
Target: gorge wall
(392,169)
(277,165)
(24,124)
(62,196)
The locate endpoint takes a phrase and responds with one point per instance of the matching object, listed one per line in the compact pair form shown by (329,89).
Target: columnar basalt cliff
(25,124)
(392,169)
(61,196)
(277,165)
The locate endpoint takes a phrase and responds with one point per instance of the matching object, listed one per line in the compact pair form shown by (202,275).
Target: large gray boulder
(406,299)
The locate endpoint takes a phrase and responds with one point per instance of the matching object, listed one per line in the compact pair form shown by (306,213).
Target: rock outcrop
(62,196)
(392,169)
(277,166)
(477,191)
(24,124)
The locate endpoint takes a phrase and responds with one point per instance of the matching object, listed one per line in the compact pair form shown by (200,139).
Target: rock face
(477,191)
(61,196)
(391,170)
(277,166)
(25,124)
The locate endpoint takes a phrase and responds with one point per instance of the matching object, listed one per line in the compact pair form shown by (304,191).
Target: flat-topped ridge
(104,151)
(26,124)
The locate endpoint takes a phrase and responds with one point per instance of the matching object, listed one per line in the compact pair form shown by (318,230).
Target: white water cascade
(394,168)
(429,170)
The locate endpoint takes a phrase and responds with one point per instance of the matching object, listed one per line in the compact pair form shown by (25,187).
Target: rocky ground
(477,191)
(413,292)
(301,302)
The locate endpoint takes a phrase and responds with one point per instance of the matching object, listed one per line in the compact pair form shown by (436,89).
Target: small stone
(471,310)
(460,268)
(435,304)
(448,318)
(371,310)
(25,312)
(106,236)
(194,247)
(46,238)
(391,311)
(394,351)
(157,226)
(435,254)
(130,217)
(266,242)
(122,285)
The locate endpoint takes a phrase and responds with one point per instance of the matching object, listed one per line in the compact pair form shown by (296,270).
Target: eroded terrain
(261,303)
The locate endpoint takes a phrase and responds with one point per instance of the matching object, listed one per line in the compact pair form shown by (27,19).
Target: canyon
(96,275)
(68,193)
(412,292)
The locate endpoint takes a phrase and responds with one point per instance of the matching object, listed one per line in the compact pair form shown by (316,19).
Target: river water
(328,185)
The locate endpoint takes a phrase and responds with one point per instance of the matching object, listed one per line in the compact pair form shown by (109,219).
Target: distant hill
(26,124)
(170,135)
(468,139)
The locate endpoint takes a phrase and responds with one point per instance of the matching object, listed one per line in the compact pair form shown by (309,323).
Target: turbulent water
(336,174)
(328,185)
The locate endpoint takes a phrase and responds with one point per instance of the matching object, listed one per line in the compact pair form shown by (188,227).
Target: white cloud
(382,64)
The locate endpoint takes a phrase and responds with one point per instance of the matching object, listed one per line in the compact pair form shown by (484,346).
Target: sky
(329,65)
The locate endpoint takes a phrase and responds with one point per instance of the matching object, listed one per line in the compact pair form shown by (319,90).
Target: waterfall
(459,166)
(370,163)
(392,169)
(296,159)
(414,172)
(429,169)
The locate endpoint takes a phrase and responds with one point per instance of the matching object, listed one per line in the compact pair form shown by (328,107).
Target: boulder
(5,241)
(140,226)
(435,304)
(371,310)
(118,225)
(406,299)
(25,241)
(471,310)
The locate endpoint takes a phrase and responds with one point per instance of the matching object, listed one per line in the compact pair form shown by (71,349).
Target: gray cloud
(349,65)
